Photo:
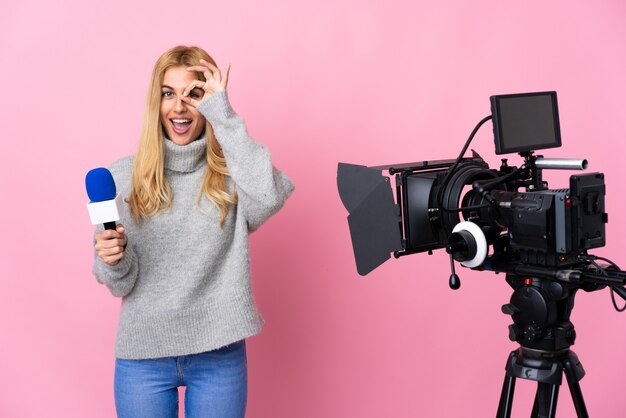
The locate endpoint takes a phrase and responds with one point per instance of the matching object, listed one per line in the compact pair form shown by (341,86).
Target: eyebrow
(164,86)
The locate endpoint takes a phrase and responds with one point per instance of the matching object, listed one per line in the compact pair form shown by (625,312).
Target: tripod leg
(506,398)
(574,388)
(545,401)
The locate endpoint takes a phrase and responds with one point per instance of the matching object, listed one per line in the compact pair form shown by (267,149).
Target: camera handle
(455,282)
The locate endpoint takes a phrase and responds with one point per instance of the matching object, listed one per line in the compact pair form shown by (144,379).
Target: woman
(196,188)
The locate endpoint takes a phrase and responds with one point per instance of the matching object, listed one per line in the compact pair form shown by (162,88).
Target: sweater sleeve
(120,278)
(261,188)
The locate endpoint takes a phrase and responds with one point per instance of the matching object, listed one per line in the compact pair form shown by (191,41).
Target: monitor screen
(525,122)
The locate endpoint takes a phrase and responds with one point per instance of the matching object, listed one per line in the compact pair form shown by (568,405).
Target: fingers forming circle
(195,83)
(208,73)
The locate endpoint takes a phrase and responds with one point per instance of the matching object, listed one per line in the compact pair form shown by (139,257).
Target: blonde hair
(150,190)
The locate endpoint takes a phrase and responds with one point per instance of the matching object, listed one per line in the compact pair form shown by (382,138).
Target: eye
(196,93)
(167,94)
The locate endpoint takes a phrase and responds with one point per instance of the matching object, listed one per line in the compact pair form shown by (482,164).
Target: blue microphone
(106,205)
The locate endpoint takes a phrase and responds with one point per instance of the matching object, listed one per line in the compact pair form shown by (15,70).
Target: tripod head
(543,299)
(540,310)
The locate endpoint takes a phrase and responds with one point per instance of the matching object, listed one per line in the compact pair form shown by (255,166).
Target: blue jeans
(216,381)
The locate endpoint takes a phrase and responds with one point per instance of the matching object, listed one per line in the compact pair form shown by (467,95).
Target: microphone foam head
(100,185)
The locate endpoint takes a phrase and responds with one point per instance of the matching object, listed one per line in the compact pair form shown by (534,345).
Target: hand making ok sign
(214,83)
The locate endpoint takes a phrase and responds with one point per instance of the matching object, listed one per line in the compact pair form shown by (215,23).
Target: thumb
(120,228)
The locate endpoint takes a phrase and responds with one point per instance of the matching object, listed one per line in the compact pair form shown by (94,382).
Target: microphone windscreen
(100,185)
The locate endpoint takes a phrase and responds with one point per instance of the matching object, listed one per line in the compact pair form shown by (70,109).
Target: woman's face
(182,122)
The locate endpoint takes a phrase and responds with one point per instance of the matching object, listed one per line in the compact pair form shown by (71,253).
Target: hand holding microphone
(106,207)
(110,245)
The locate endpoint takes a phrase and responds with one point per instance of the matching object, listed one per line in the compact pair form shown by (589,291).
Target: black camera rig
(504,220)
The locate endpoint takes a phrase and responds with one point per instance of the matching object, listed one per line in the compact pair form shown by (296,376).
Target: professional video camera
(512,223)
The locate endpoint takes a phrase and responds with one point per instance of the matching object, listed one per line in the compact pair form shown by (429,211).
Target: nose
(180,105)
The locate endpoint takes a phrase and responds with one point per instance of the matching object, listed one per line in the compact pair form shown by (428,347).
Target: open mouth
(180,126)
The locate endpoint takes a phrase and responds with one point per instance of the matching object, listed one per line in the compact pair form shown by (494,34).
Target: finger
(110,243)
(107,235)
(120,228)
(109,252)
(208,74)
(110,233)
(199,68)
(113,260)
(99,237)
(226,74)
(217,74)
(102,235)
(190,101)
(193,85)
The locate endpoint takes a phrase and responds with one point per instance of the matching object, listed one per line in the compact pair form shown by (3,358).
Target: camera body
(523,220)
(539,227)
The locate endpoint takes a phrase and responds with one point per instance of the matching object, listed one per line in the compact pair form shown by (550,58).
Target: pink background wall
(318,82)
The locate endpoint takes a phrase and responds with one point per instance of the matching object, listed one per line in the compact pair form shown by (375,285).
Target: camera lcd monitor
(525,122)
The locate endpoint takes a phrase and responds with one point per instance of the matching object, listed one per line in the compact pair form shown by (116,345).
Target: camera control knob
(570,336)
(515,334)
(533,332)
(509,309)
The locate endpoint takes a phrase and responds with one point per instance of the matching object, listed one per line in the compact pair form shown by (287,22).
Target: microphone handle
(110,225)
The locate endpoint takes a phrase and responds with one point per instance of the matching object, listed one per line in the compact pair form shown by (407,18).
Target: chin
(180,141)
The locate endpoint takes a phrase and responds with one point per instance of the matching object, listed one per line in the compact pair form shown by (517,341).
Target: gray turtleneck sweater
(184,280)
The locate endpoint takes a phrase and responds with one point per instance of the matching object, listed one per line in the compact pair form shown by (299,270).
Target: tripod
(540,310)
(546,369)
